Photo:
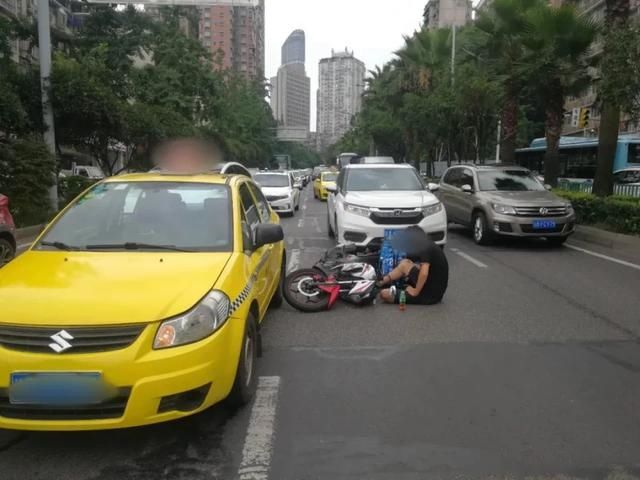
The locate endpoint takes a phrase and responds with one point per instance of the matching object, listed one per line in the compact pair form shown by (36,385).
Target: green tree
(503,25)
(618,88)
(556,61)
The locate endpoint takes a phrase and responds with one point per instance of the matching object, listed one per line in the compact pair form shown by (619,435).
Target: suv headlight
(356,210)
(432,209)
(504,209)
(200,322)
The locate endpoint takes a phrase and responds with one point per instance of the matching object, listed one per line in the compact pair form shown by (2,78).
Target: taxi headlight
(200,322)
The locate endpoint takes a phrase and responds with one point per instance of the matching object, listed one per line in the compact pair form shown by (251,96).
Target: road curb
(614,241)
(28,232)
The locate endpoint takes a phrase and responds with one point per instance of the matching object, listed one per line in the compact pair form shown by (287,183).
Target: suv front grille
(396,216)
(541,211)
(85,339)
(113,408)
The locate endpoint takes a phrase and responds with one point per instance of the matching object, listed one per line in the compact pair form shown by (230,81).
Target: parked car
(7,232)
(628,176)
(177,272)
(87,171)
(281,189)
(324,181)
(371,198)
(504,200)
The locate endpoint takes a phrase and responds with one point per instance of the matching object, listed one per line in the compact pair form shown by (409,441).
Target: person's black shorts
(412,280)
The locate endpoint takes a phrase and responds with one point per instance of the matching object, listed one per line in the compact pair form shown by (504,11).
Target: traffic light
(585,113)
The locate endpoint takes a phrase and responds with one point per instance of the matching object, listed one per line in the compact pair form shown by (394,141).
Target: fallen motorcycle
(345,272)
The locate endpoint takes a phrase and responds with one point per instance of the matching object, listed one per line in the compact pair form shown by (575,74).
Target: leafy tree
(556,61)
(618,88)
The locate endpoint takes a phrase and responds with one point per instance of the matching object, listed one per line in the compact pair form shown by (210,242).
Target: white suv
(371,198)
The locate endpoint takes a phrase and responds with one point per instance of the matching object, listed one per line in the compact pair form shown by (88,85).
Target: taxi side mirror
(267,233)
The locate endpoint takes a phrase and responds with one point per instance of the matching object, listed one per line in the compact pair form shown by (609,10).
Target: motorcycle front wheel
(302,293)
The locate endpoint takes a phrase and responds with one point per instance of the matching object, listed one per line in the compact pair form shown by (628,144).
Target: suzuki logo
(544,211)
(60,343)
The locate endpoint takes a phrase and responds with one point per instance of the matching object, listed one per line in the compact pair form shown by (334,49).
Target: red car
(7,232)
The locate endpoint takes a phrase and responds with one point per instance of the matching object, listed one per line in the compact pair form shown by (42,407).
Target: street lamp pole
(44,47)
(498,140)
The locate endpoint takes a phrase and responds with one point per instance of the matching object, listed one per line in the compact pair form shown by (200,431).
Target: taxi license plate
(544,224)
(57,388)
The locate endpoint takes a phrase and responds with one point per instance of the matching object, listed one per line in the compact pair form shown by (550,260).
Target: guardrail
(625,190)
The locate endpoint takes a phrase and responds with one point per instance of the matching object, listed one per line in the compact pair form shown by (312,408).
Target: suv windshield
(188,216)
(508,181)
(271,180)
(370,179)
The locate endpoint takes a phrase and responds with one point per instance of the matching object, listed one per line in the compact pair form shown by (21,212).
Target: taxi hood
(99,288)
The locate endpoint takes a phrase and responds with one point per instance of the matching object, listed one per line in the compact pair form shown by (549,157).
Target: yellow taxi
(321,183)
(142,302)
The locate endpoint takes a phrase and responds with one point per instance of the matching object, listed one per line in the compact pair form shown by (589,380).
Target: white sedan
(369,199)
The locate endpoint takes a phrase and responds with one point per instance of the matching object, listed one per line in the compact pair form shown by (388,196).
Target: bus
(579,155)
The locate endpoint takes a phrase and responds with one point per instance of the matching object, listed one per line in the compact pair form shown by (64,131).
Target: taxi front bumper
(153,385)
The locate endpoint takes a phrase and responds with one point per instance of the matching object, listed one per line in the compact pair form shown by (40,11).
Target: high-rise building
(293,48)
(582,115)
(235,37)
(291,91)
(447,13)
(341,82)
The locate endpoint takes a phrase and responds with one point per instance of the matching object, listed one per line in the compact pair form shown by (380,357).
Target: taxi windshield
(146,216)
(329,177)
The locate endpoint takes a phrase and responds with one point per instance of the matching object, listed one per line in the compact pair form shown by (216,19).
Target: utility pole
(44,46)
(453,55)
(498,141)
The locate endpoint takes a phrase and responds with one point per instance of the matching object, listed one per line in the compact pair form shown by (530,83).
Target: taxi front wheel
(244,386)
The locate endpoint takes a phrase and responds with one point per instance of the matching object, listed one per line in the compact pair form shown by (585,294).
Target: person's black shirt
(438,278)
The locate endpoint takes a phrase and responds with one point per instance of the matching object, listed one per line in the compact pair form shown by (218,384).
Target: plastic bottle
(403,300)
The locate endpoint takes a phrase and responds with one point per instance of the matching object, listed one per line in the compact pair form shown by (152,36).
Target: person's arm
(422,279)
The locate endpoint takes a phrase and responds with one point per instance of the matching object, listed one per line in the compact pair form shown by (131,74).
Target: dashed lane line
(604,257)
(294,260)
(258,443)
(469,258)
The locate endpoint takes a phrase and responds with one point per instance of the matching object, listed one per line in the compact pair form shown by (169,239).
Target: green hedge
(618,214)
(70,187)
(26,174)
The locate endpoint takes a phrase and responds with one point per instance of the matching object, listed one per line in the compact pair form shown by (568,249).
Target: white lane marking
(24,245)
(258,444)
(301,223)
(604,257)
(294,260)
(469,258)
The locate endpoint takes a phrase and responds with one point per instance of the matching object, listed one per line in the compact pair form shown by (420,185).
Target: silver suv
(504,200)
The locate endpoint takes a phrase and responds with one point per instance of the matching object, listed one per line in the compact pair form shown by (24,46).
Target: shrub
(70,187)
(27,171)
(618,214)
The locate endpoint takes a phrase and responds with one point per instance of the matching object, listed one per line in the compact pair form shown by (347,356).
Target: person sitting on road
(425,271)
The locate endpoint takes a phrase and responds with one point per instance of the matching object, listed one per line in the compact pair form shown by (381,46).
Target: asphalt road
(529,369)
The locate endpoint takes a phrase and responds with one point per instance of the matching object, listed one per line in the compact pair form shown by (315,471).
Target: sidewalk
(626,247)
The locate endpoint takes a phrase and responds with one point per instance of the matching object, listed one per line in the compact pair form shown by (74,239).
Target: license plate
(544,224)
(58,388)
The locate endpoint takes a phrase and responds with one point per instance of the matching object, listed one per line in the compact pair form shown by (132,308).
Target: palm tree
(503,25)
(616,18)
(557,64)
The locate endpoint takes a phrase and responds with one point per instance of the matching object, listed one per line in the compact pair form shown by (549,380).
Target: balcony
(9,6)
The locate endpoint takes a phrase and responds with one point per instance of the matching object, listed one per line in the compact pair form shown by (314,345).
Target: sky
(373,29)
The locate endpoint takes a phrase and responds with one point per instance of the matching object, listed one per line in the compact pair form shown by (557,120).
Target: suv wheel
(482,235)
(7,252)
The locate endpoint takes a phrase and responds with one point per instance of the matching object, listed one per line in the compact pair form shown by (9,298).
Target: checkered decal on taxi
(244,294)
